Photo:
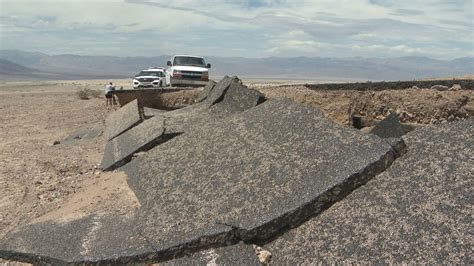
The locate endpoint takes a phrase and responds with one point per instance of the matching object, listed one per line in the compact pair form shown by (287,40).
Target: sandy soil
(37,177)
(41,181)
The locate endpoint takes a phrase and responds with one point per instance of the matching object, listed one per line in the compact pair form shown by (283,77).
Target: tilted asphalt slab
(150,112)
(417,211)
(123,119)
(206,91)
(233,97)
(146,135)
(246,177)
(119,150)
(237,98)
(218,91)
(391,131)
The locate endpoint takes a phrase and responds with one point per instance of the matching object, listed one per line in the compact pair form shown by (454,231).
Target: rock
(404,115)
(264,256)
(461,101)
(56,142)
(440,88)
(456,87)
(469,108)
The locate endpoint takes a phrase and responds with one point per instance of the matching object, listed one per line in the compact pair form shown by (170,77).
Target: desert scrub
(86,93)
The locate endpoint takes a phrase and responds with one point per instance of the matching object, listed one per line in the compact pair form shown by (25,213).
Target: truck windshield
(189,61)
(151,73)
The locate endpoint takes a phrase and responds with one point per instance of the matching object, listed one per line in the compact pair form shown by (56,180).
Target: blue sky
(250,28)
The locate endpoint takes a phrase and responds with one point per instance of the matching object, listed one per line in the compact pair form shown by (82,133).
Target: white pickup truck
(187,70)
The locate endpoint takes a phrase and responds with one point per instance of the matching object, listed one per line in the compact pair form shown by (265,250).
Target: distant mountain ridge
(8,67)
(314,68)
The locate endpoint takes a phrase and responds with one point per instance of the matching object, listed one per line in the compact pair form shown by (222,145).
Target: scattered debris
(439,88)
(264,256)
(456,87)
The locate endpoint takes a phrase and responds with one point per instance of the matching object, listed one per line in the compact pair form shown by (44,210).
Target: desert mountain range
(22,65)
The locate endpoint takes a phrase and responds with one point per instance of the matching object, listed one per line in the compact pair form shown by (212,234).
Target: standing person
(108,94)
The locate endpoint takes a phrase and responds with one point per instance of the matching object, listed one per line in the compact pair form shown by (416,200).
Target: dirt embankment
(426,106)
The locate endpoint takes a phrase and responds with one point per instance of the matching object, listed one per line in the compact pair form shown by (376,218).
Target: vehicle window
(151,73)
(189,61)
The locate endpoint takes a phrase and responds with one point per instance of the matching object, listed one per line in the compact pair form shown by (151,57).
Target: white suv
(149,78)
(187,70)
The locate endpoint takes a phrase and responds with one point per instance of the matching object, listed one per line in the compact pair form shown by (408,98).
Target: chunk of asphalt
(150,112)
(120,150)
(108,239)
(217,93)
(123,119)
(391,130)
(390,127)
(418,210)
(259,171)
(237,98)
(206,91)
(239,254)
(246,177)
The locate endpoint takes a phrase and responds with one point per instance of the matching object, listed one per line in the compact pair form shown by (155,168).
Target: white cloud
(252,28)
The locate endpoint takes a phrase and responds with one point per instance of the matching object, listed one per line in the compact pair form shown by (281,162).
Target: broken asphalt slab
(391,130)
(108,239)
(245,172)
(246,177)
(144,136)
(237,98)
(123,119)
(206,91)
(119,151)
(232,97)
(150,112)
(417,211)
(218,91)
